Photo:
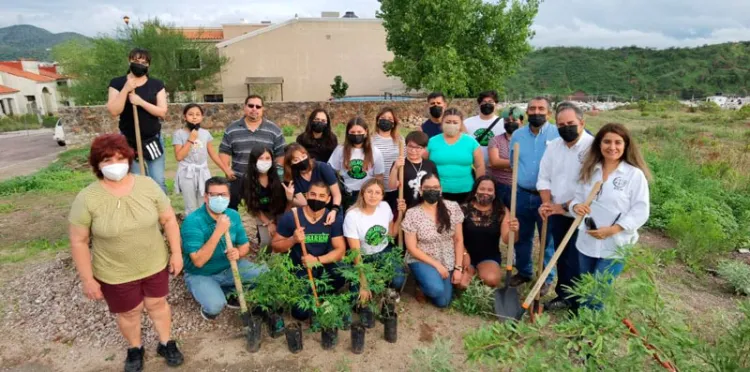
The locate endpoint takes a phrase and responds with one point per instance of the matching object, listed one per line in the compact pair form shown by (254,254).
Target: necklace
(415,168)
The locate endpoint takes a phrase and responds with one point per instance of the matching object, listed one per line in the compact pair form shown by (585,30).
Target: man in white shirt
(558,178)
(476,126)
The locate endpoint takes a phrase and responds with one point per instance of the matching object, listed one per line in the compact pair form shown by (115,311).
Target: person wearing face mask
(149,96)
(192,148)
(387,139)
(486,219)
(318,138)
(208,273)
(128,265)
(499,152)
(436,104)
(532,140)
(263,193)
(455,154)
(357,160)
(478,125)
(324,242)
(433,235)
(301,171)
(558,178)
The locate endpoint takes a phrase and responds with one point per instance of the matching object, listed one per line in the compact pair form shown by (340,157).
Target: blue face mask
(218,204)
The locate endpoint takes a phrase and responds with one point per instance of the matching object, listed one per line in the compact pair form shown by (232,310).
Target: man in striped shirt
(241,137)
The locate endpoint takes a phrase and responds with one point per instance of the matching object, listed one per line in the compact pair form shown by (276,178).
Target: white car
(59,135)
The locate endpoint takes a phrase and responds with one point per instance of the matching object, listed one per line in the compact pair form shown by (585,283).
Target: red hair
(106,146)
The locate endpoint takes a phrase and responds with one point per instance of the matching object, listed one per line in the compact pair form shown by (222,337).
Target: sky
(590,23)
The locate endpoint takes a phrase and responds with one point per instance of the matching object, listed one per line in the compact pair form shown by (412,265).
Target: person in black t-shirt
(263,193)
(432,126)
(150,97)
(318,139)
(301,171)
(415,167)
(325,243)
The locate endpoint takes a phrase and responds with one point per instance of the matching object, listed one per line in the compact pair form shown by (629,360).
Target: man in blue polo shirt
(532,140)
(436,103)
(208,274)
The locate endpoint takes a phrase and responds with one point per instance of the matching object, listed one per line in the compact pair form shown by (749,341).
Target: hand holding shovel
(236,276)
(507,299)
(304,253)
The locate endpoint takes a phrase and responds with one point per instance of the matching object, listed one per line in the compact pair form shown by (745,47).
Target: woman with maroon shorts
(121,215)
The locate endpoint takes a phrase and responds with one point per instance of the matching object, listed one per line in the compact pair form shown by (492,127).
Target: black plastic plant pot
(390,328)
(275,325)
(347,322)
(366,317)
(387,310)
(329,338)
(358,338)
(254,334)
(294,337)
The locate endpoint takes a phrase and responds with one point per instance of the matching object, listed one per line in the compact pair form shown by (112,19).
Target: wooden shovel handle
(236,276)
(138,142)
(560,248)
(304,253)
(400,195)
(513,197)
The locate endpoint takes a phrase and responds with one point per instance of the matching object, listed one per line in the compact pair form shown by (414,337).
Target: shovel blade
(507,304)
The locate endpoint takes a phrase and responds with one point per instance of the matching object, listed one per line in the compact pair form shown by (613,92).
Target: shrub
(277,289)
(477,299)
(737,274)
(434,358)
(742,114)
(287,130)
(709,106)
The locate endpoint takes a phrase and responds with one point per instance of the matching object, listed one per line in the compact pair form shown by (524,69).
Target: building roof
(203,33)
(26,75)
(51,74)
(7,90)
(272,27)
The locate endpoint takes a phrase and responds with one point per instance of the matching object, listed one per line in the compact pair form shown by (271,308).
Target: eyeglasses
(250,105)
(415,148)
(222,194)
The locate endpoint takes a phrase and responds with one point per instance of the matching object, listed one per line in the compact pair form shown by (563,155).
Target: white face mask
(451,129)
(264,165)
(115,172)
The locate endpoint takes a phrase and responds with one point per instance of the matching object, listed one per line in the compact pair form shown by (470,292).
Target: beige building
(28,87)
(297,60)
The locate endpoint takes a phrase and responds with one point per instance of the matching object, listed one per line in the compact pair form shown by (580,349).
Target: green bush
(737,274)
(742,114)
(287,130)
(477,299)
(434,358)
(709,106)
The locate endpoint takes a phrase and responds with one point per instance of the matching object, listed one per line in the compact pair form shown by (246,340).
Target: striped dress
(389,149)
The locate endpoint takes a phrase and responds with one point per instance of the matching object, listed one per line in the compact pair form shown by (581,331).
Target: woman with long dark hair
(301,171)
(263,193)
(433,234)
(318,138)
(387,139)
(486,220)
(356,161)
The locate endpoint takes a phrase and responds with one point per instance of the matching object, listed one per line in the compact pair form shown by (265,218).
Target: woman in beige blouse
(434,242)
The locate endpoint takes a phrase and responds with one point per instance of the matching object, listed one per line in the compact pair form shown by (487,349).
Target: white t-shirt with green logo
(476,126)
(355,176)
(372,231)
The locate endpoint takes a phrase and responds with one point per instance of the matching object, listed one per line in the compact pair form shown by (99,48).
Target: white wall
(31,88)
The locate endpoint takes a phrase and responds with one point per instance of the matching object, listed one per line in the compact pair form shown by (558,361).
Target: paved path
(25,152)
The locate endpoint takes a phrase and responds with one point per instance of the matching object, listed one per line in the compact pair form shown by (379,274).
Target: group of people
(454,213)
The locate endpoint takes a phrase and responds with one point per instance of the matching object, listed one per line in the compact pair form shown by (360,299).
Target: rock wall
(82,123)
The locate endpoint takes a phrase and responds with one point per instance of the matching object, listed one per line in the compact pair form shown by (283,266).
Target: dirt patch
(426,333)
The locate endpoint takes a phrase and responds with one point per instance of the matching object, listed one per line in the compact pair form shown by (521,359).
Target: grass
(22,251)
(437,357)
(23,122)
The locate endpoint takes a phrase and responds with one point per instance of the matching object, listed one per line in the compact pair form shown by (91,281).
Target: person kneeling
(208,274)
(324,242)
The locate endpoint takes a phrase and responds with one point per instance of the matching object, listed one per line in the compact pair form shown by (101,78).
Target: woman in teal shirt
(455,153)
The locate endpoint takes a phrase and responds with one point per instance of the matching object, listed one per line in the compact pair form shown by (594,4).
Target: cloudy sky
(593,23)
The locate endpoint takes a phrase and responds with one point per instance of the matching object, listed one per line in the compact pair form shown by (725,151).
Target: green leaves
(339,87)
(278,288)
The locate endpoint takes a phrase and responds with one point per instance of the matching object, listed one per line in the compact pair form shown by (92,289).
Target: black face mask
(385,125)
(485,199)
(487,108)
(301,166)
(436,111)
(138,69)
(537,120)
(319,126)
(356,139)
(568,133)
(192,127)
(511,127)
(431,196)
(315,204)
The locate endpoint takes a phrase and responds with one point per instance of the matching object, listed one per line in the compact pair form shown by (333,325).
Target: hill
(26,41)
(633,71)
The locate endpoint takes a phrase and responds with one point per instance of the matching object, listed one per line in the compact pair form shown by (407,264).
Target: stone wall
(82,123)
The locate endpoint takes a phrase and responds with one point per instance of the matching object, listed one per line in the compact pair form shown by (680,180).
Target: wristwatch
(566,206)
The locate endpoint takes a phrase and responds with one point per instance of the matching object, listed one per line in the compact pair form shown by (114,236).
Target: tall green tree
(183,64)
(460,47)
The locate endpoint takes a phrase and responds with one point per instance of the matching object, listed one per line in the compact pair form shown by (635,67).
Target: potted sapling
(253,322)
(329,309)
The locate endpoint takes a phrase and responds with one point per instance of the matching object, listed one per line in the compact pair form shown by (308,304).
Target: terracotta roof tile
(51,74)
(26,75)
(7,90)
(203,34)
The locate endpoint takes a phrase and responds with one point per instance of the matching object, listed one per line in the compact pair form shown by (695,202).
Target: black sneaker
(557,304)
(233,301)
(170,353)
(134,361)
(518,279)
(207,316)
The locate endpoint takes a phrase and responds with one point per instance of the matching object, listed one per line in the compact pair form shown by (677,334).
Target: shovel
(507,304)
(138,143)
(401,214)
(536,307)
(304,253)
(237,282)
(556,256)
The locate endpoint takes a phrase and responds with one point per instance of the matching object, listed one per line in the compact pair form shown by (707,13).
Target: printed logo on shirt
(414,184)
(357,170)
(264,200)
(581,156)
(316,238)
(486,140)
(375,235)
(619,183)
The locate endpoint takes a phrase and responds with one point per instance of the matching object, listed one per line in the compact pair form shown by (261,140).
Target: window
(30,99)
(188,59)
(213,98)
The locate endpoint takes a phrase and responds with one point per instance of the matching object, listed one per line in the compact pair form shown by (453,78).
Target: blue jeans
(596,267)
(527,213)
(154,168)
(437,289)
(568,266)
(503,191)
(211,290)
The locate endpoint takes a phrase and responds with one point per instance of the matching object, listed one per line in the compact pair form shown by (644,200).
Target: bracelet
(459,268)
(193,142)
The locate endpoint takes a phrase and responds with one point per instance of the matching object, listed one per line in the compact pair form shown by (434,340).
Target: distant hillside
(634,71)
(26,41)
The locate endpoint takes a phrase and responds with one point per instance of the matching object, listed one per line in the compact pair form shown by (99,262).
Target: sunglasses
(250,105)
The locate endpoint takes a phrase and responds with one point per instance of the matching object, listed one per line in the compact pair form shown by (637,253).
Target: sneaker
(545,289)
(134,361)
(170,353)
(558,303)
(207,316)
(233,301)
(518,279)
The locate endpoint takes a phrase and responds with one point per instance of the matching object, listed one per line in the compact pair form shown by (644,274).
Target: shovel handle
(236,276)
(513,197)
(542,247)
(400,195)
(138,142)
(304,253)
(560,248)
